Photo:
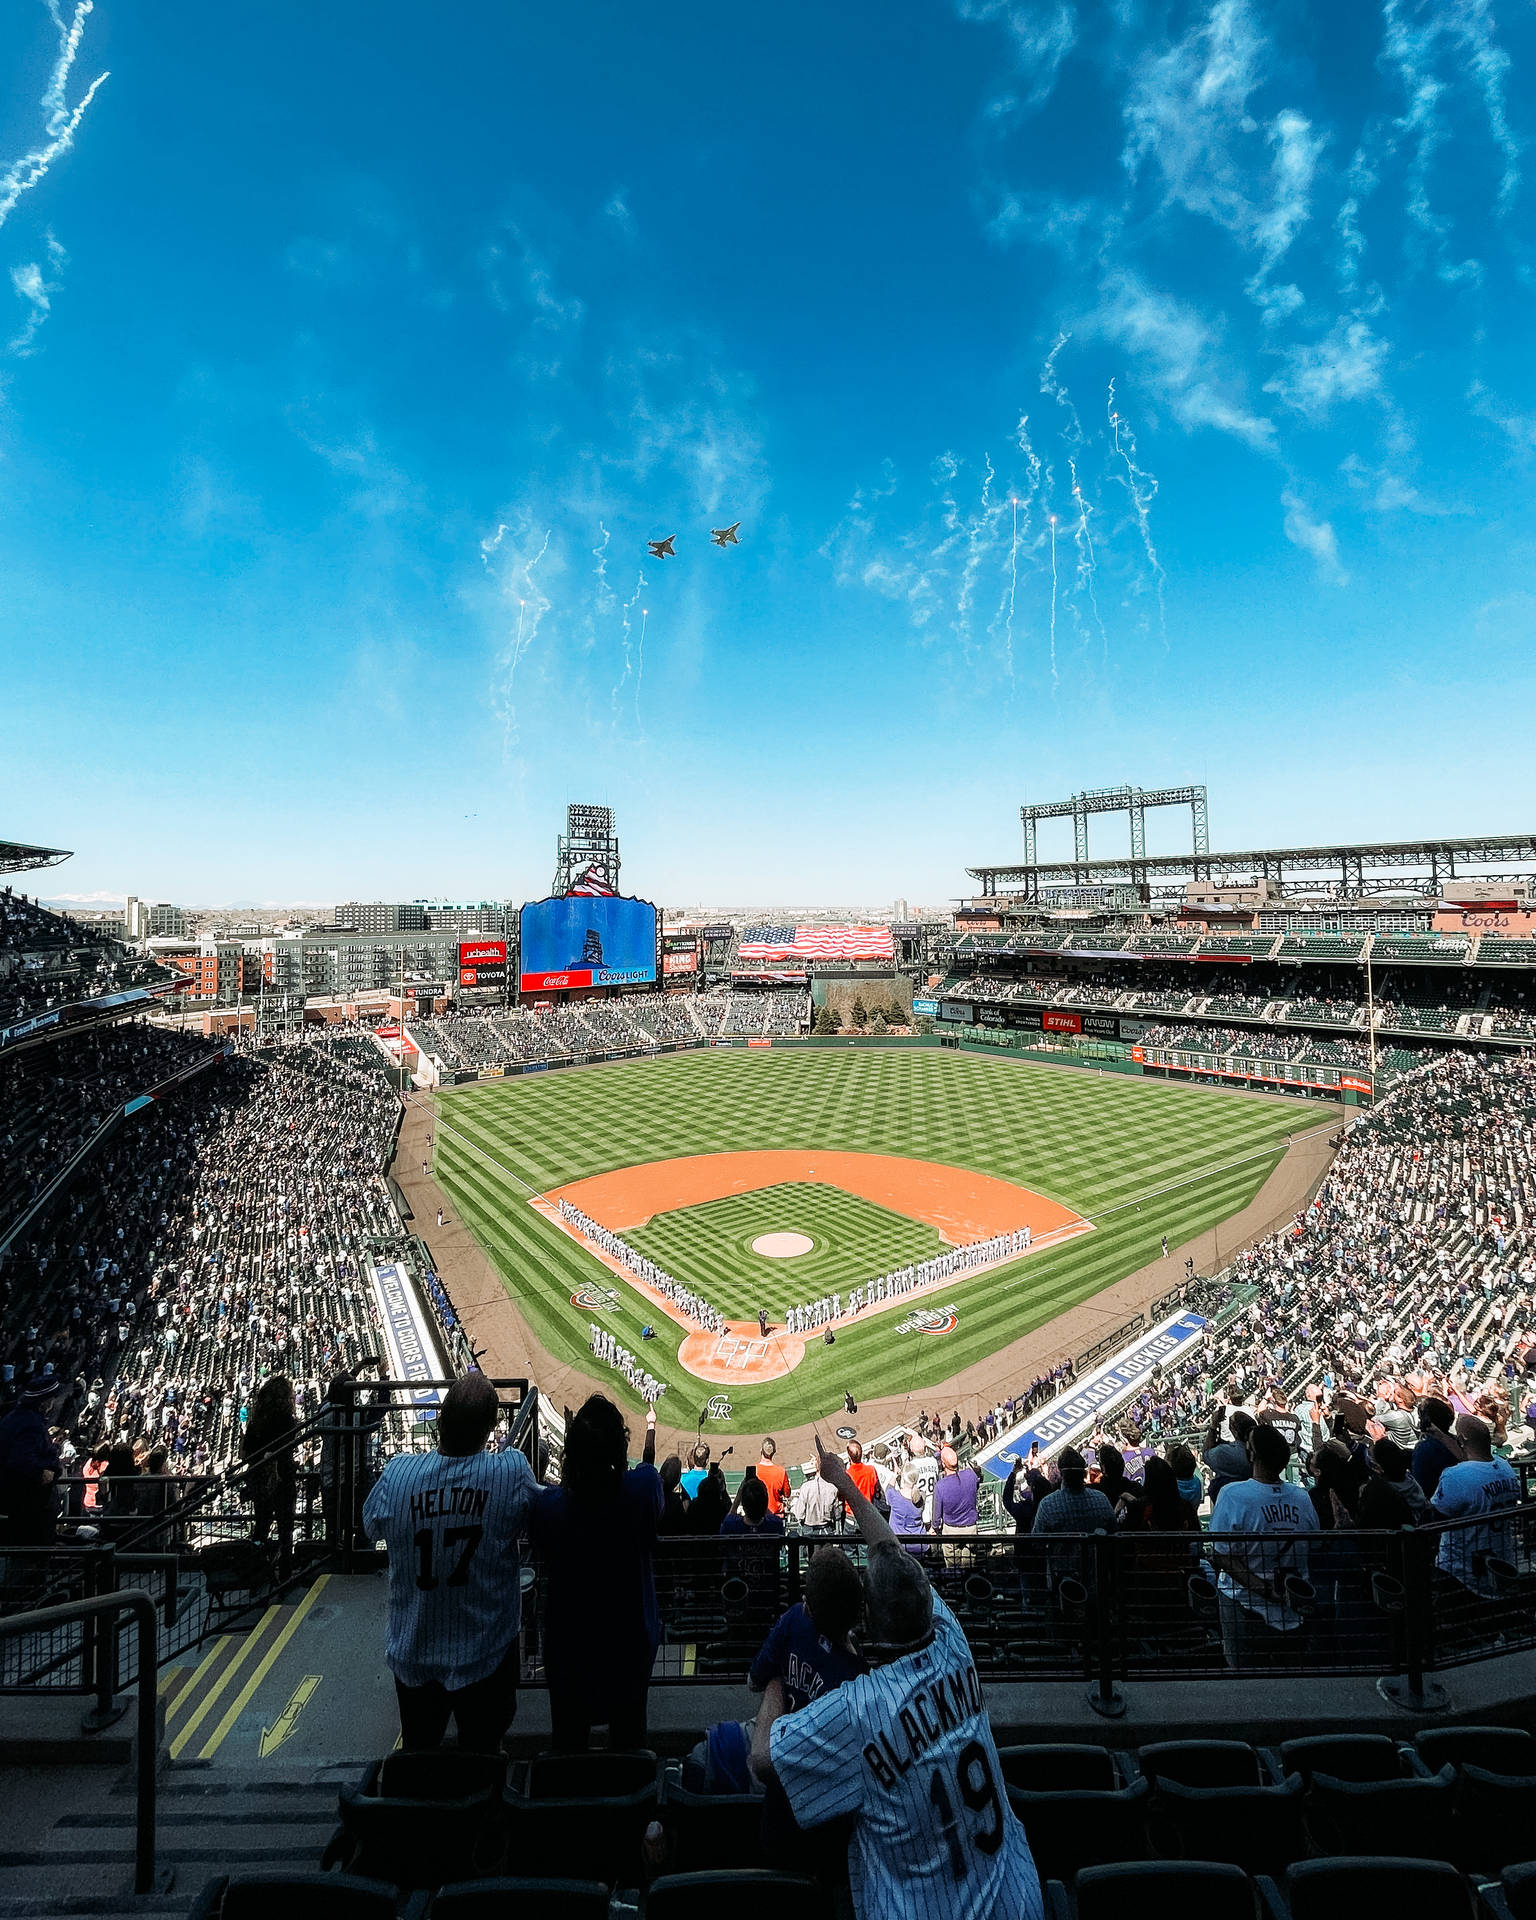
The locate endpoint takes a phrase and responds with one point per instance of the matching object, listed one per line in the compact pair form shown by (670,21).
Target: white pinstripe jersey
(451,1524)
(908,1749)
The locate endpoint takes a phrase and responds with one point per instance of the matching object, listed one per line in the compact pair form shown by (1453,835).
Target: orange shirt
(864,1477)
(776,1479)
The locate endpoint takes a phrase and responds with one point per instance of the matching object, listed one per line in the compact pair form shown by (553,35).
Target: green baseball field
(1138,1159)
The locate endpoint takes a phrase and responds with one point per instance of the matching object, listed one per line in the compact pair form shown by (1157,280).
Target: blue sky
(353,353)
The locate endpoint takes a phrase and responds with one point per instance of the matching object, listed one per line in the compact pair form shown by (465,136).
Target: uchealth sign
(482,963)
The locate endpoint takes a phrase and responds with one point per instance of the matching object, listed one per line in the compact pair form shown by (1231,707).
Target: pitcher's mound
(782,1246)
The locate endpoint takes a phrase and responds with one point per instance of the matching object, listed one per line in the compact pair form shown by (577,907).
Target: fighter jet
(663,549)
(725,536)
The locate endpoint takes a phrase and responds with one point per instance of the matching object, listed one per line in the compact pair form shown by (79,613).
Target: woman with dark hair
(1157,1576)
(120,1479)
(674,1516)
(270,1442)
(596,1534)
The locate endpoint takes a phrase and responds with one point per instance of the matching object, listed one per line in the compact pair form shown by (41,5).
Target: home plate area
(761,1233)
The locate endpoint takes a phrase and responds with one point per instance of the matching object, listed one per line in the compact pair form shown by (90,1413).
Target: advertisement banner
(723,931)
(1026,1017)
(680,962)
(1055,1021)
(482,963)
(1103,1024)
(928,1007)
(409,1346)
(955,1010)
(759,1043)
(991,1017)
(906,929)
(587,941)
(1134,1029)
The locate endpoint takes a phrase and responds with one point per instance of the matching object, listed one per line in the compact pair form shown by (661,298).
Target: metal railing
(100,1608)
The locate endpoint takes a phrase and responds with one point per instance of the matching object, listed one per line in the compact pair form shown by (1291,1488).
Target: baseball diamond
(1136,1160)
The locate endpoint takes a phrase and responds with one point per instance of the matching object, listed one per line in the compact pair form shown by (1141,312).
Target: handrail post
(1104,1696)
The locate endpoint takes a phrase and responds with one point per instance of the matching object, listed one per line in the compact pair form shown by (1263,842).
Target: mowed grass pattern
(712,1245)
(1094,1142)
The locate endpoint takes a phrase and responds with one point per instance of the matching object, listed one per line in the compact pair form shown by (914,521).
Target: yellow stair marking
(265,1625)
(283,1727)
(690,1655)
(187,1694)
(242,1699)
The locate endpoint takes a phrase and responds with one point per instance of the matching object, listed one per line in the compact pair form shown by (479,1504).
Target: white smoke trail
(640,664)
(1013,592)
(1087,565)
(625,629)
(1052,385)
(532,605)
(978,540)
(60,121)
(1053,603)
(602,598)
(1142,487)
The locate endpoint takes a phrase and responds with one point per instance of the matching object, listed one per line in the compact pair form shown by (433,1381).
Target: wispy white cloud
(1180,354)
(1517,428)
(1313,536)
(1345,365)
(1041,34)
(36,289)
(60,121)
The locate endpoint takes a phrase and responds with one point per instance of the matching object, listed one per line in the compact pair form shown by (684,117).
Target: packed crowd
(908,1279)
(690,1304)
(48,960)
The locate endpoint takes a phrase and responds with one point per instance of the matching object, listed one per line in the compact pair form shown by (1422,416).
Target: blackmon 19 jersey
(908,1749)
(451,1524)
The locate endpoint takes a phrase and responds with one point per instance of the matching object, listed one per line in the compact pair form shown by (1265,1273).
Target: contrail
(1087,566)
(531,609)
(978,537)
(640,664)
(1142,487)
(1051,384)
(1053,603)
(604,599)
(629,606)
(60,119)
(1013,592)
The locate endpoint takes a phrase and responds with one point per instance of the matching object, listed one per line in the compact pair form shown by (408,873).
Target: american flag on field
(816,943)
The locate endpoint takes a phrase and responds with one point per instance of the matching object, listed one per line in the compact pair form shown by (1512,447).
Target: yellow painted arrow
(273,1737)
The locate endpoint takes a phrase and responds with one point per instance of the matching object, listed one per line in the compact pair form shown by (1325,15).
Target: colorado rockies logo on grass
(718,1407)
(592,1298)
(930,1320)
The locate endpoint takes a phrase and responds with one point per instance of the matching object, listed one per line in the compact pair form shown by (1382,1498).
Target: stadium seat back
(440,1774)
(591,1776)
(518,1899)
(1495,1818)
(1407,1819)
(548,1837)
(417,1844)
(1260,1829)
(1062,1766)
(1213,1890)
(1519,1884)
(1202,1763)
(1345,1756)
(749,1894)
(713,1831)
(1074,1829)
(1508,1750)
(1378,1884)
(294,1896)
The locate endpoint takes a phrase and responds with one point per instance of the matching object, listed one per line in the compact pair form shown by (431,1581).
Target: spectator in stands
(1475,1486)
(29,1471)
(1391,1497)
(674,1512)
(1438,1448)
(815,1507)
(750,1513)
(954,1497)
(774,1477)
(862,1474)
(1158,1505)
(926,1468)
(807,1655)
(596,1533)
(1187,1473)
(451,1521)
(904,1496)
(1227,1457)
(157,1493)
(121,1480)
(1114,1483)
(698,1469)
(1074,1508)
(269,1448)
(711,1503)
(936,1838)
(1259,1607)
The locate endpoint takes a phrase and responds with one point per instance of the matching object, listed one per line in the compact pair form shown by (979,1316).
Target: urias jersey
(908,1749)
(451,1524)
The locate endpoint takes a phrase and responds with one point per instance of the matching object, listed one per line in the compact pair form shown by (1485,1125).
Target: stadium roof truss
(1425,865)
(17,857)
